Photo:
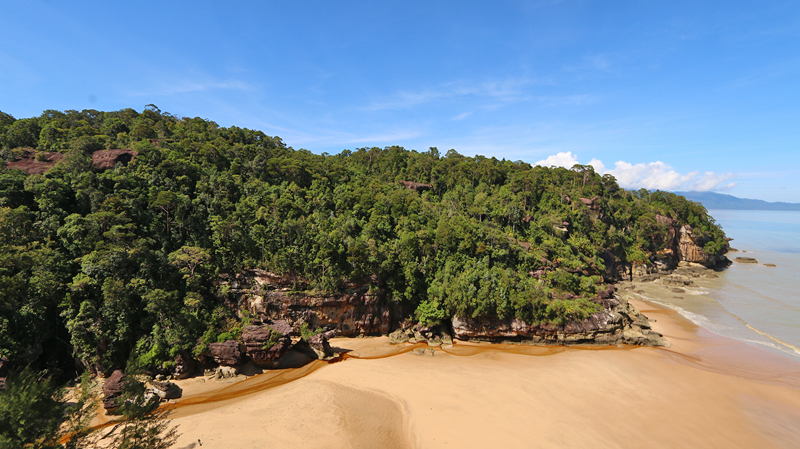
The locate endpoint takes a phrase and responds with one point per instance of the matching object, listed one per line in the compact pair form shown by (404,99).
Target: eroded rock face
(226,353)
(351,314)
(618,322)
(106,159)
(33,166)
(265,345)
(689,248)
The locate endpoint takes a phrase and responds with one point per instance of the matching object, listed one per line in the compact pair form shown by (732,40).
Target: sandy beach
(702,390)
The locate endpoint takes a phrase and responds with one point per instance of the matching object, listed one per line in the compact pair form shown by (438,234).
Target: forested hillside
(120,263)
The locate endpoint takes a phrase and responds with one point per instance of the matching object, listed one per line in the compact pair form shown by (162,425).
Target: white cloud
(565,159)
(650,175)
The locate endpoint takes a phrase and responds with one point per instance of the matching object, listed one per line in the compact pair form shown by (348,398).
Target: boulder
(227,353)
(224,372)
(167,390)
(106,159)
(265,345)
(184,365)
(746,260)
(676,279)
(319,344)
(113,390)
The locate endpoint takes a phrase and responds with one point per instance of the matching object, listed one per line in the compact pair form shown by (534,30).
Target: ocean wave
(777,347)
(696,318)
(788,346)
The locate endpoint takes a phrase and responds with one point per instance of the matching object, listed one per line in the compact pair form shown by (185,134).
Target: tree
(144,425)
(30,412)
(188,258)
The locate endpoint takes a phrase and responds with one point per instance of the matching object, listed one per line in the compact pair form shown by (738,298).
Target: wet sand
(701,391)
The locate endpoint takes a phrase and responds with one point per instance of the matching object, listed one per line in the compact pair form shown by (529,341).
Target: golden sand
(701,391)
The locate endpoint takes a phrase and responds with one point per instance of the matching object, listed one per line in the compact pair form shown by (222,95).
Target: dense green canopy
(120,265)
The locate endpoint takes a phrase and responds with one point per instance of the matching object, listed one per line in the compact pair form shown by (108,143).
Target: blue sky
(663,94)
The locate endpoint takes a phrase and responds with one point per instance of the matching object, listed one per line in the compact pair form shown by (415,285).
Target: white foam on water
(695,318)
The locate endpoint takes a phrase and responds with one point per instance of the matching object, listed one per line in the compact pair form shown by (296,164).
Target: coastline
(701,390)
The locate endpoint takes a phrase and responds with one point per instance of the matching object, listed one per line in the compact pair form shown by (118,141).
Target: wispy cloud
(190,86)
(502,91)
(389,137)
(650,175)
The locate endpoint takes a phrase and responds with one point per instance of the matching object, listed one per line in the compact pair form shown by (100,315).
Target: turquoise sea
(752,302)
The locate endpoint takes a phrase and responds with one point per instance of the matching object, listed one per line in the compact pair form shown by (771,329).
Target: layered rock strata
(265,345)
(618,323)
(227,353)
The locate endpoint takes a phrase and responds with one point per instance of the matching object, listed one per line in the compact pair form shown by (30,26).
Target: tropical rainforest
(103,267)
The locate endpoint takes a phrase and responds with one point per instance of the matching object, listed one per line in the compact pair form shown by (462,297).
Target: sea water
(754,303)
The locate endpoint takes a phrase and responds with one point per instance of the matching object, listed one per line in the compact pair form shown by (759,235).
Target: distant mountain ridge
(713,200)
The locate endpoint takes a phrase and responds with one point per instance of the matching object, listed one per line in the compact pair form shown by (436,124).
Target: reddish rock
(113,389)
(167,390)
(105,159)
(31,166)
(227,353)
(352,314)
(416,186)
(319,344)
(265,345)
(184,365)
(618,322)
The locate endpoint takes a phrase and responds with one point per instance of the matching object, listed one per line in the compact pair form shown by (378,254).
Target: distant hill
(713,200)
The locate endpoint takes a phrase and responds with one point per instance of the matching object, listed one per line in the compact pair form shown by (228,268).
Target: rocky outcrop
(166,390)
(35,163)
(618,323)
(358,312)
(594,207)
(113,391)
(266,345)
(184,365)
(317,346)
(227,353)
(433,336)
(106,159)
(223,372)
(690,248)
(416,186)
(745,260)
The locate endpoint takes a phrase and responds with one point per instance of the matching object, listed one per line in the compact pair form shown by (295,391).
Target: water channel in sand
(202,402)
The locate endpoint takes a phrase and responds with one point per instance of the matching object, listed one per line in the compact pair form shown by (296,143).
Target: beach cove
(703,390)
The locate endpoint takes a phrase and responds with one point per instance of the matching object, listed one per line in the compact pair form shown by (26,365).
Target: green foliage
(430,313)
(126,262)
(30,412)
(143,425)
(305,332)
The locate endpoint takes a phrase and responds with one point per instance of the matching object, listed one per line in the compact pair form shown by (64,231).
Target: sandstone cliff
(363,313)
